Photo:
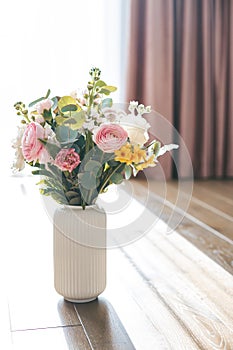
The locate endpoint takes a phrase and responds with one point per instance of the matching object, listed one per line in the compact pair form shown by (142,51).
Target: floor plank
(60,338)
(163,291)
(213,243)
(220,218)
(103,326)
(167,330)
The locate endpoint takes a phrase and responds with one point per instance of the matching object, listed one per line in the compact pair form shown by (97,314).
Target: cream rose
(137,135)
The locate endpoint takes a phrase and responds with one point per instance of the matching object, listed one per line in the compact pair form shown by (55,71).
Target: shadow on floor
(100,322)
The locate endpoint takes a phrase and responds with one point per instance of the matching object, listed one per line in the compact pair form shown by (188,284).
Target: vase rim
(79,206)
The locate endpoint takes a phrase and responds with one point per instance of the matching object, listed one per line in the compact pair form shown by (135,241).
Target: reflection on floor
(170,289)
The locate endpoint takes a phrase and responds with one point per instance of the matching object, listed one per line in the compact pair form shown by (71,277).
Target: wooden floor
(164,291)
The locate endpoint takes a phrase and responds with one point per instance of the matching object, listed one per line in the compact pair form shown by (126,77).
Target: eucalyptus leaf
(35,102)
(71,194)
(128,172)
(75,120)
(55,102)
(48,93)
(67,100)
(47,115)
(89,196)
(42,172)
(116,178)
(107,89)
(93,166)
(75,201)
(65,134)
(52,148)
(107,103)
(100,83)
(88,181)
(113,163)
(69,108)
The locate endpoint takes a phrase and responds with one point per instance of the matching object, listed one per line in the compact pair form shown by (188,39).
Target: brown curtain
(180,62)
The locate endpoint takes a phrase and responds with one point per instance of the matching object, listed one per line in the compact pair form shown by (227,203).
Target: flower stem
(109,177)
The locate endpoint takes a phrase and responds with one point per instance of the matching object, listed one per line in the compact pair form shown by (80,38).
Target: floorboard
(164,291)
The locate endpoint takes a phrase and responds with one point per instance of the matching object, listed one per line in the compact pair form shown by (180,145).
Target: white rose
(137,135)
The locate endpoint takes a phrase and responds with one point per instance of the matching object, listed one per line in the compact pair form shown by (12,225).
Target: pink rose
(67,159)
(32,148)
(44,104)
(109,137)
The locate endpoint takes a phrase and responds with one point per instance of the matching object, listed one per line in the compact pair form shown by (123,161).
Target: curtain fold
(180,63)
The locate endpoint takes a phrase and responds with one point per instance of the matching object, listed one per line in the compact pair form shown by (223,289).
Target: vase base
(80,301)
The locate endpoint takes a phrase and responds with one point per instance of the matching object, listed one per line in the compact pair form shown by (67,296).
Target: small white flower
(90,125)
(141,109)
(132,106)
(167,148)
(18,163)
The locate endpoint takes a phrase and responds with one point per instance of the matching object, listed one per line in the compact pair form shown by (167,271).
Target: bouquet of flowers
(80,144)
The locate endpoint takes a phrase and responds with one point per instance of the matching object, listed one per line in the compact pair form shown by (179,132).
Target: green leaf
(156,148)
(75,201)
(69,108)
(71,194)
(88,181)
(51,147)
(55,102)
(48,93)
(35,102)
(113,163)
(100,83)
(39,99)
(128,172)
(67,100)
(107,103)
(107,89)
(92,166)
(47,115)
(75,120)
(42,172)
(65,134)
(116,178)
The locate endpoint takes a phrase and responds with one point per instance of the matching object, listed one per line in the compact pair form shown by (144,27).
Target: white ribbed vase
(79,252)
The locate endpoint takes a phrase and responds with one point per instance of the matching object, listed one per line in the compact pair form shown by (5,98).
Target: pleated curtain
(180,62)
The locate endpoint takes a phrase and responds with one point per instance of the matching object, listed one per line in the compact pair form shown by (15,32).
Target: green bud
(23,121)
(25,111)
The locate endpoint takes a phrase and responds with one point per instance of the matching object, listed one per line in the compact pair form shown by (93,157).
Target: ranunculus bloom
(32,148)
(44,104)
(67,159)
(110,137)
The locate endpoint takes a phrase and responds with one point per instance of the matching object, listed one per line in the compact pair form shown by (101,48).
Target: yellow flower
(130,154)
(148,163)
(124,154)
(139,154)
